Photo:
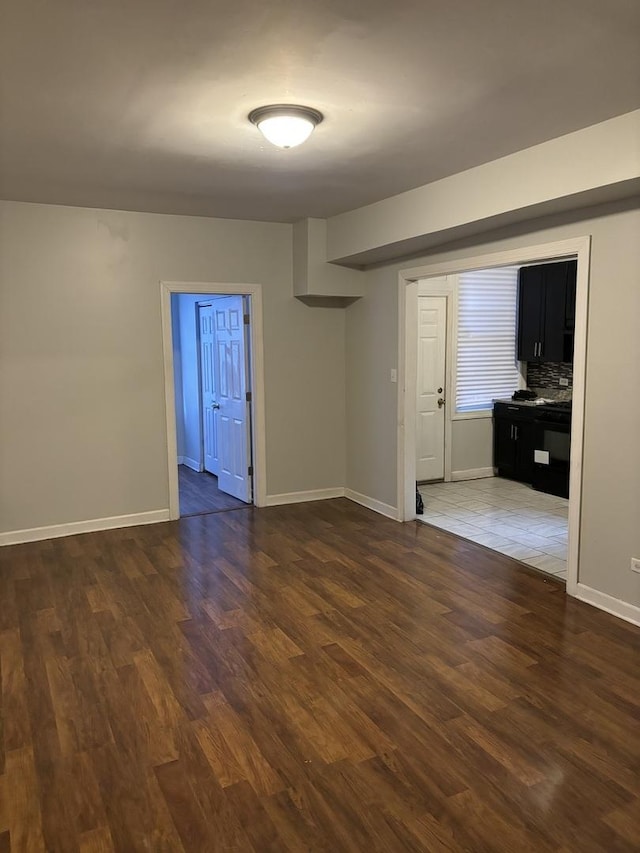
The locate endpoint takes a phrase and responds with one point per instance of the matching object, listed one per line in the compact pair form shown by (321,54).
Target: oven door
(552,450)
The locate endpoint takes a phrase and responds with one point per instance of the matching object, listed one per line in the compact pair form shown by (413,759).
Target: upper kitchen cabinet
(546,311)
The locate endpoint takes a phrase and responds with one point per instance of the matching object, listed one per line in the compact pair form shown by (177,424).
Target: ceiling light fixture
(285,125)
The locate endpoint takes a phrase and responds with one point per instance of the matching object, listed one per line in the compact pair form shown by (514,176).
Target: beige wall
(610,530)
(471,444)
(82,421)
(599,163)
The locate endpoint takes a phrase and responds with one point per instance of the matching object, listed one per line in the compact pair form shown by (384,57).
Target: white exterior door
(432,331)
(231,365)
(208,382)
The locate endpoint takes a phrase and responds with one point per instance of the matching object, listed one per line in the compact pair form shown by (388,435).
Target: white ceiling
(142,104)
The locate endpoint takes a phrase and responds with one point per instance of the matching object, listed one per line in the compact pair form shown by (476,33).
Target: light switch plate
(564,382)
(541,457)
(394,374)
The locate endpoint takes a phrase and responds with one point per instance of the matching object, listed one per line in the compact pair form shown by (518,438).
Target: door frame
(575,247)
(257,405)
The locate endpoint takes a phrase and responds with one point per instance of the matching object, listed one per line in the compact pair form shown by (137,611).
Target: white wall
(82,422)
(610,532)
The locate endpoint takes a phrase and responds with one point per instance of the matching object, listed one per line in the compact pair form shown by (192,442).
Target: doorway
(212,350)
(214,395)
(409,295)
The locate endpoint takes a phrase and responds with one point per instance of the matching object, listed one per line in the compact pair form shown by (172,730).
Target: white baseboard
(615,606)
(338,492)
(372,503)
(180,460)
(472,474)
(55,531)
(191,463)
(303,497)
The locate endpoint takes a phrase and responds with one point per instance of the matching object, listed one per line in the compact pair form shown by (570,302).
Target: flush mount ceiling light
(285,125)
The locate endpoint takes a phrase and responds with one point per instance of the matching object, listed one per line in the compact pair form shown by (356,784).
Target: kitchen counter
(538,403)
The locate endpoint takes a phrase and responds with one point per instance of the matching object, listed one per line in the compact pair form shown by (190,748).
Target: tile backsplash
(544,379)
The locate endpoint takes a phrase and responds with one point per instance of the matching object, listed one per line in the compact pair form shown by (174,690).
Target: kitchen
(532,431)
(522,511)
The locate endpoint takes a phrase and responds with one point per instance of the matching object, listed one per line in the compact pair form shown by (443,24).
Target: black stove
(562,405)
(552,448)
(558,411)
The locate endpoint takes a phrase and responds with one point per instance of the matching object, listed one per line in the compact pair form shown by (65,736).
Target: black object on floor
(419,502)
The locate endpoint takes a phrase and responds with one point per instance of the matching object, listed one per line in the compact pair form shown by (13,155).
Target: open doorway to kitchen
(508,475)
(212,337)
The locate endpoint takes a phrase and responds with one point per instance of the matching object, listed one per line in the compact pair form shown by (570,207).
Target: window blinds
(486,366)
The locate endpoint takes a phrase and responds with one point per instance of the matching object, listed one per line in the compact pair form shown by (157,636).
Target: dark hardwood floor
(199,493)
(308,678)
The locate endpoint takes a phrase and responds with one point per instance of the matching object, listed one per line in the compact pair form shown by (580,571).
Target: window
(486,366)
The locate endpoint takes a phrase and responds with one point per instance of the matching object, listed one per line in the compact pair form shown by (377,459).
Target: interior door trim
(571,248)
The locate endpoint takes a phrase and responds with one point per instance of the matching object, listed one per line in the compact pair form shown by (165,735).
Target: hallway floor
(199,494)
(508,517)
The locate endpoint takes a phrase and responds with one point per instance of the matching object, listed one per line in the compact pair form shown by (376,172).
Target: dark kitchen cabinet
(523,433)
(530,301)
(504,447)
(513,442)
(570,305)
(546,312)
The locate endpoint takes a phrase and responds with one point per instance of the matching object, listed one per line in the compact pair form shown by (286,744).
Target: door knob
(441,402)
(215,405)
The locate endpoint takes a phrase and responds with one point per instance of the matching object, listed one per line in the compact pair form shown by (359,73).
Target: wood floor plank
(4,808)
(15,718)
(186,812)
(313,678)
(96,841)
(22,789)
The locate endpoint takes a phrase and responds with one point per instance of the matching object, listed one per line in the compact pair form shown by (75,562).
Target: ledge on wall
(315,281)
(328,301)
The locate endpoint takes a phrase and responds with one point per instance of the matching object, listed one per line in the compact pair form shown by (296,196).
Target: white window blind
(486,366)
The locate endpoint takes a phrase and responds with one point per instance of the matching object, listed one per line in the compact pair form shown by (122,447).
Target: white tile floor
(508,517)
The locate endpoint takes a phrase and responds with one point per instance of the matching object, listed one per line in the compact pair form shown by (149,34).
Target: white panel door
(233,414)
(432,331)
(208,384)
